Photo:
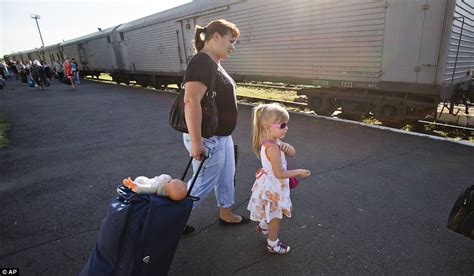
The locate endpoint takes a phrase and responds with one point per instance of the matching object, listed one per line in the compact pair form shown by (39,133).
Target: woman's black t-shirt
(200,68)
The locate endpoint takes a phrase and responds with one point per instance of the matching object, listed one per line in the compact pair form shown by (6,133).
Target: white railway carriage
(154,50)
(94,53)
(395,58)
(51,53)
(30,55)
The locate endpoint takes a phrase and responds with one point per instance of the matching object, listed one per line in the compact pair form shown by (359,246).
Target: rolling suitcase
(140,233)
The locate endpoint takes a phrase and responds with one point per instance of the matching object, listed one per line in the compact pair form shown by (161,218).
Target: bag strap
(212,89)
(194,198)
(214,67)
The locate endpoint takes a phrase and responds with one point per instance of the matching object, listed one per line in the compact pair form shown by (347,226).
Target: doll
(163,185)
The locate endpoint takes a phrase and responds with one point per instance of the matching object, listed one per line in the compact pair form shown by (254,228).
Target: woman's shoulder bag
(210,119)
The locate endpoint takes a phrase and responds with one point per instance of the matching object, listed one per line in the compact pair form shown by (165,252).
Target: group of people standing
(270,195)
(36,73)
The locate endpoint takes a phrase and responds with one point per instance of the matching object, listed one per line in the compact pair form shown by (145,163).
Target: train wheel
(349,116)
(160,86)
(322,105)
(387,114)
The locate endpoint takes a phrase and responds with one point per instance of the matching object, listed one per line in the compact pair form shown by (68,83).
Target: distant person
(68,72)
(28,66)
(3,70)
(38,74)
(75,70)
(47,70)
(58,70)
(2,82)
(270,199)
(12,69)
(22,72)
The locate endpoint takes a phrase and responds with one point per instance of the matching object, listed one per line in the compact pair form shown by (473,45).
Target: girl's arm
(288,149)
(194,91)
(273,155)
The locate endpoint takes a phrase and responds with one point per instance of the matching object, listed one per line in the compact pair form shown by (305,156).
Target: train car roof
(88,37)
(52,46)
(187,10)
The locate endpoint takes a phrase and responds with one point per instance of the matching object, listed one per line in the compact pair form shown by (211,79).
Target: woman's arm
(193,93)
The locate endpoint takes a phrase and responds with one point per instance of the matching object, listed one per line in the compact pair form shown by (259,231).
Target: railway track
(418,126)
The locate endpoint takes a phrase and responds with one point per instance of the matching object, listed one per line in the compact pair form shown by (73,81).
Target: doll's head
(176,189)
(266,116)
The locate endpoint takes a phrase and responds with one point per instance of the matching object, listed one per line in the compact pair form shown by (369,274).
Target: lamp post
(36,17)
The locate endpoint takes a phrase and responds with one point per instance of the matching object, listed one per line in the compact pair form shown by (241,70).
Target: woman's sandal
(244,220)
(280,248)
(188,229)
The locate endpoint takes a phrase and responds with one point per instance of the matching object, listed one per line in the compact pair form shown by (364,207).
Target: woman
(213,43)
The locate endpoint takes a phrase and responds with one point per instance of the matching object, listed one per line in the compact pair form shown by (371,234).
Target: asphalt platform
(377,201)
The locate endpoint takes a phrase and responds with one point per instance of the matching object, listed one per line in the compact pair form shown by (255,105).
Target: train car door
(185,36)
(433,19)
(81,49)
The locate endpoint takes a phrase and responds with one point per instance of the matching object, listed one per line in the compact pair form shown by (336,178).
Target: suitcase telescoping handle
(204,157)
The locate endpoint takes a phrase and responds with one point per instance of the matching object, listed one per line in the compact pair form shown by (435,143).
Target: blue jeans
(218,170)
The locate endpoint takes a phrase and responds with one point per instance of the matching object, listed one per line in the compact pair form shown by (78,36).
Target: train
(395,59)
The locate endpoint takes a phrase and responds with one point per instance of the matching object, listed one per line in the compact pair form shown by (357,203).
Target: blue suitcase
(140,233)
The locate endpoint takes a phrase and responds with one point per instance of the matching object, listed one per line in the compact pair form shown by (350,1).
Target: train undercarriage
(390,107)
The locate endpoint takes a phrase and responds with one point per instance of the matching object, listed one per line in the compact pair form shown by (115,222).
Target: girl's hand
(287,149)
(303,173)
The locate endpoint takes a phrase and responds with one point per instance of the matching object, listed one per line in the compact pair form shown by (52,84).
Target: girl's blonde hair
(262,116)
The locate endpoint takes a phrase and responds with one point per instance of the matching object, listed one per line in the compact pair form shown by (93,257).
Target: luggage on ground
(461,218)
(140,233)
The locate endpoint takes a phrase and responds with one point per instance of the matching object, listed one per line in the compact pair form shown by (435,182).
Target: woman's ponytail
(199,38)
(220,26)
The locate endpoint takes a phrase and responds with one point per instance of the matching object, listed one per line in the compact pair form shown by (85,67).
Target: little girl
(270,198)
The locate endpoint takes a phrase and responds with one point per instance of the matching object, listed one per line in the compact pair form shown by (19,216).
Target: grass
(3,132)
(442,131)
(105,76)
(267,93)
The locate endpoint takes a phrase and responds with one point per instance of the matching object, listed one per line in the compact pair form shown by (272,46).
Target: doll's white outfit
(153,185)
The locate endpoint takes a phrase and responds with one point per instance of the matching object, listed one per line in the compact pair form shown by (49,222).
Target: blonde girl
(270,198)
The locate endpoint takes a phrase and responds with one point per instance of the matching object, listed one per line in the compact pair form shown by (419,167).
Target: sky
(67,19)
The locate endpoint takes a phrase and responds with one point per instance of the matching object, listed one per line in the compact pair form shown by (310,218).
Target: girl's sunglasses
(280,125)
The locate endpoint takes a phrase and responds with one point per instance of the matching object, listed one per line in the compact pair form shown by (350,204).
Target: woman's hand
(197,150)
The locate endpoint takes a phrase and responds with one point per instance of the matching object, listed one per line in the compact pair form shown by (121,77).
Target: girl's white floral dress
(270,195)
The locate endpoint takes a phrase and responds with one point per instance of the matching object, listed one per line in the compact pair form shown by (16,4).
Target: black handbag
(461,217)
(210,119)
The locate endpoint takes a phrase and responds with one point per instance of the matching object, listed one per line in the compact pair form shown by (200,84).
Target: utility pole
(36,17)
